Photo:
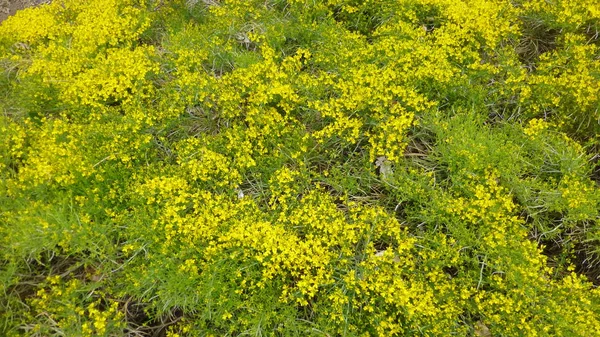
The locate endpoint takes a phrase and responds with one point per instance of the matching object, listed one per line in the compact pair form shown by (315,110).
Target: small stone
(482,330)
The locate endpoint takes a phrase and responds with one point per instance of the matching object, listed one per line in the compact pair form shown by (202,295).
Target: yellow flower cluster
(508,259)
(90,60)
(340,167)
(56,157)
(62,303)
(99,318)
(535,127)
(569,13)
(581,198)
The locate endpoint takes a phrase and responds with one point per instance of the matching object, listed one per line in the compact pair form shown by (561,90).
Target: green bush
(292,168)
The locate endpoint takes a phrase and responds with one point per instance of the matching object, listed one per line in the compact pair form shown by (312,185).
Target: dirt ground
(10,7)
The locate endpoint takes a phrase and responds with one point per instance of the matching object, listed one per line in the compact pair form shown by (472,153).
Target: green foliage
(291,168)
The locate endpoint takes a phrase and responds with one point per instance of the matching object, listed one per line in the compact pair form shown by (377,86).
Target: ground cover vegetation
(300,168)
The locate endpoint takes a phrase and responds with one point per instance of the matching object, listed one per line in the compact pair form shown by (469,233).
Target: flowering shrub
(293,168)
